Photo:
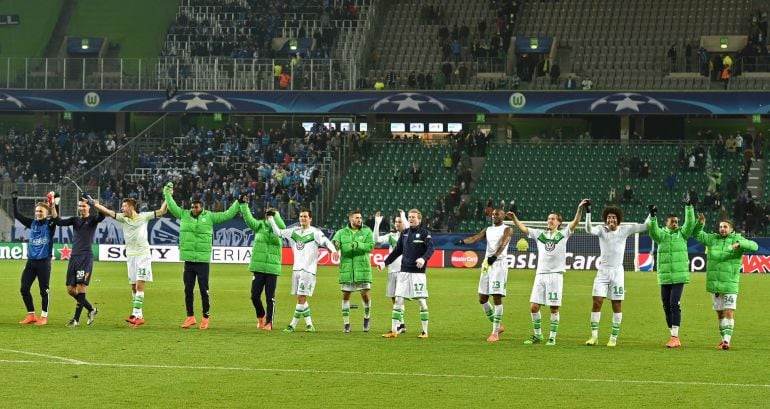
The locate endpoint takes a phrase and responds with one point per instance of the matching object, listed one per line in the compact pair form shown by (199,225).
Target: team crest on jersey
(418,235)
(300,245)
(550,244)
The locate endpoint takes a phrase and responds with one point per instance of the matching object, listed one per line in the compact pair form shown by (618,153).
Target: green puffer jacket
(673,262)
(355,247)
(196,234)
(723,264)
(266,251)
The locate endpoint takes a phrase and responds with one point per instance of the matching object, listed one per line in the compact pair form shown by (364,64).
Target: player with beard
(81,264)
(355,242)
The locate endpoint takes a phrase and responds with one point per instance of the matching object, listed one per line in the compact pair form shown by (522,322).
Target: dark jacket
(414,243)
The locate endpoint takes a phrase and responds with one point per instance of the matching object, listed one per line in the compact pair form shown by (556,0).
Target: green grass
(235,365)
(28,39)
(139,26)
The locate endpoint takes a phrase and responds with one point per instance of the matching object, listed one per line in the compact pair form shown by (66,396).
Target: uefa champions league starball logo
(200,100)
(9,99)
(628,101)
(409,100)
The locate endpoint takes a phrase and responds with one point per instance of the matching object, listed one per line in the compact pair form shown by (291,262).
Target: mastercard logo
(467,259)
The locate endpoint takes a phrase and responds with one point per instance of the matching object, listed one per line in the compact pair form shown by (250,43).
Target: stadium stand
(230,45)
(556,176)
(381,181)
(414,33)
(628,45)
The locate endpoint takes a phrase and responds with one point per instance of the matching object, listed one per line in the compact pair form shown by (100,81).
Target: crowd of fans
(277,168)
(45,155)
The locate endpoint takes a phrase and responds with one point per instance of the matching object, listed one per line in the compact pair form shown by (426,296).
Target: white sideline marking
(67,361)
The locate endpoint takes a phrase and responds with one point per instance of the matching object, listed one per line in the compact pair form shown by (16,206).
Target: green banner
(18,251)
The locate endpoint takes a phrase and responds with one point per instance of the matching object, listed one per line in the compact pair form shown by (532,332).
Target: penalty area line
(67,361)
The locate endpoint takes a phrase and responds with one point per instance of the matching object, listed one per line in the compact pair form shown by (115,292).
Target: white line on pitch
(65,361)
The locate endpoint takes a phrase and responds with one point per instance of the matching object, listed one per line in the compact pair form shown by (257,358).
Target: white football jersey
(391,239)
(494,235)
(551,249)
(613,243)
(135,233)
(304,244)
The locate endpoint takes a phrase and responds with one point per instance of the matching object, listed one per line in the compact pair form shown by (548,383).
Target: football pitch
(234,364)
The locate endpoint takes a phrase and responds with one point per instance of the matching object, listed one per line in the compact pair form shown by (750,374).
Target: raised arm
(219,217)
(54,205)
(285,233)
(698,232)
(689,220)
(516,222)
(376,231)
(573,224)
(248,218)
(656,233)
(26,221)
(589,228)
(173,208)
(98,206)
(162,210)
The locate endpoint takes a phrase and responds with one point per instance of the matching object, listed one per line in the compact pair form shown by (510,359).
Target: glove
(484,266)
(244,198)
(56,199)
(14,195)
(170,185)
(491,260)
(688,202)
(88,199)
(460,242)
(588,206)
(653,210)
(420,262)
(269,212)
(49,198)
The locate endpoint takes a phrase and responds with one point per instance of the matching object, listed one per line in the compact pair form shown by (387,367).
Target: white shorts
(302,283)
(353,287)
(412,285)
(609,283)
(547,289)
(139,269)
(495,280)
(392,280)
(725,301)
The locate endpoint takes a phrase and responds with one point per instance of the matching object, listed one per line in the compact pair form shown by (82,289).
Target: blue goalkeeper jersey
(40,246)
